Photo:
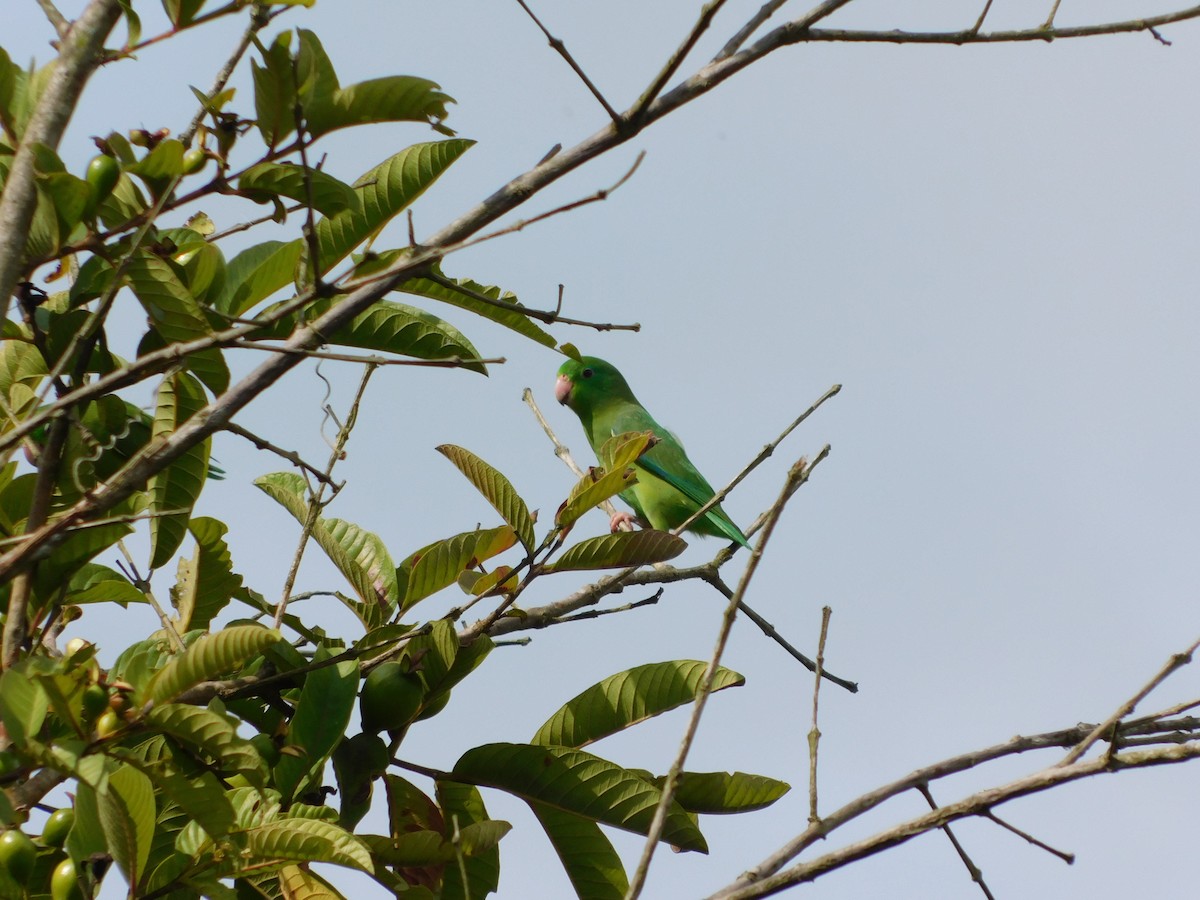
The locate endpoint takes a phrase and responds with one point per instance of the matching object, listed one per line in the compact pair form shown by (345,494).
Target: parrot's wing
(668,461)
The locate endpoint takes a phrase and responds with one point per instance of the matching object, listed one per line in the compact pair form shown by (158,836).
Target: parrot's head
(584,383)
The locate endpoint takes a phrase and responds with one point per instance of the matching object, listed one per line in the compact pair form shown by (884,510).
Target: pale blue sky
(992,248)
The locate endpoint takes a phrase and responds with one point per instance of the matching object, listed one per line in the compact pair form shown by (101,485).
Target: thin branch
(452,362)
(983,15)
(707,13)
(259,17)
(1068,858)
(1041,33)
(796,476)
(762,456)
(290,455)
(809,19)
(143,585)
(541,315)
(1053,13)
(1177,661)
(814,733)
(973,870)
(314,504)
(57,19)
(562,51)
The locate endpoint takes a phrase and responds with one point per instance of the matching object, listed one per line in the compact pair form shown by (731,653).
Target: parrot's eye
(587,373)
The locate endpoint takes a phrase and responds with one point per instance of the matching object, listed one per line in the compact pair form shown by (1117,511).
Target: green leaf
(396,98)
(396,328)
(24,706)
(175,489)
(266,180)
(211,655)
(256,273)
(302,884)
(125,203)
(496,489)
(275,91)
(384,192)
(322,715)
(439,564)
(625,548)
(509,318)
(462,806)
(74,550)
(591,490)
(359,554)
(718,793)
(627,698)
(206,582)
(587,855)
(202,799)
(306,840)
(176,315)
(159,168)
(127,817)
(182,12)
(211,734)
(576,781)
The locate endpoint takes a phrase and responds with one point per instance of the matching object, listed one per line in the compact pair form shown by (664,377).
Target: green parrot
(668,488)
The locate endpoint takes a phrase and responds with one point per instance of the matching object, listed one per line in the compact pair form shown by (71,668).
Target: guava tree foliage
(216,756)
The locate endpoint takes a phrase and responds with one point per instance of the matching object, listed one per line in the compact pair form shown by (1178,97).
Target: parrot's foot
(619,519)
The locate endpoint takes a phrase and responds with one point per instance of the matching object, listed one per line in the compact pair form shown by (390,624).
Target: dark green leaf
(509,318)
(625,548)
(256,273)
(322,715)
(174,490)
(627,698)
(587,855)
(576,781)
(266,180)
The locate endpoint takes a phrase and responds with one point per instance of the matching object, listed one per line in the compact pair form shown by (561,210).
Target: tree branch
(80,55)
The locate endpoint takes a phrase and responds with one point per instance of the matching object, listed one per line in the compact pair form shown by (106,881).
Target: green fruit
(108,722)
(17,855)
(102,174)
(266,749)
(434,706)
(64,883)
(390,698)
(58,826)
(95,701)
(193,161)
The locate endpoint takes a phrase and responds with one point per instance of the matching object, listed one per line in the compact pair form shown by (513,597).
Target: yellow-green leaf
(211,655)
(625,548)
(497,489)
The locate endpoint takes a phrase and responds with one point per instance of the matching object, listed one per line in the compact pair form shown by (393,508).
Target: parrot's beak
(562,389)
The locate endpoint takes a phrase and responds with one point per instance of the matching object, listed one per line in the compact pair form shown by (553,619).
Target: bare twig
(452,362)
(796,476)
(143,585)
(1068,858)
(315,504)
(259,17)
(762,456)
(975,872)
(562,51)
(1177,660)
(290,455)
(707,13)
(57,19)
(982,15)
(814,734)
(814,15)
(1053,12)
